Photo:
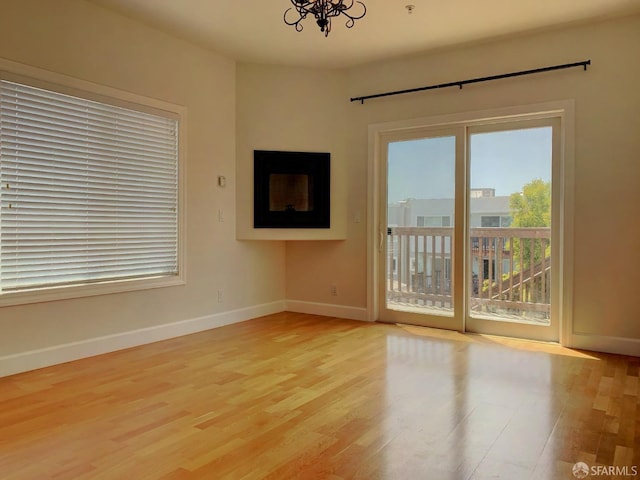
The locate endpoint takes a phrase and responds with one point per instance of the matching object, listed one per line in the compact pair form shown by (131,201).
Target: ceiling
(254,31)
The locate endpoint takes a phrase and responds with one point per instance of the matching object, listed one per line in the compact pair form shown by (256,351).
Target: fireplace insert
(291,189)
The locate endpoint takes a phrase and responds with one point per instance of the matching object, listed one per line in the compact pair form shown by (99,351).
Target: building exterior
(486,209)
(419,257)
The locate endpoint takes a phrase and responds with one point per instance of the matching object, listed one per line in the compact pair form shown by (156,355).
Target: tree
(531,208)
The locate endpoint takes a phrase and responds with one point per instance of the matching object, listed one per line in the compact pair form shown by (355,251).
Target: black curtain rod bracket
(461,83)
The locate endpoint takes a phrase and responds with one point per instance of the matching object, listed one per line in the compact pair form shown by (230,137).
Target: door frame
(379,132)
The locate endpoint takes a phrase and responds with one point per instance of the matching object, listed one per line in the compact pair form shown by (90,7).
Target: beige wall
(305,109)
(607,122)
(301,109)
(607,169)
(275,107)
(82,40)
(291,109)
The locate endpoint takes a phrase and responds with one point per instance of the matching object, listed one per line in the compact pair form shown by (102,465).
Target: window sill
(52,294)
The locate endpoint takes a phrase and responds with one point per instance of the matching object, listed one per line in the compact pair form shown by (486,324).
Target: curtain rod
(460,83)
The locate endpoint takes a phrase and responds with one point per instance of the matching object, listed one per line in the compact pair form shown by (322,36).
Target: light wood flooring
(308,397)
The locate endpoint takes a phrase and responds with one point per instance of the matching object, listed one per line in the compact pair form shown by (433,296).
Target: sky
(505,160)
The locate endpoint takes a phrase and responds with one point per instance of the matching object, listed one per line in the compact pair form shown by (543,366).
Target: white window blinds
(89,191)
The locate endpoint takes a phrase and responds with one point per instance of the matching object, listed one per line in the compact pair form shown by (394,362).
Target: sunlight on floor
(527,345)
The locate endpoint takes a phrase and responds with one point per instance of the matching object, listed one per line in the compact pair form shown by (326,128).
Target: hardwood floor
(301,396)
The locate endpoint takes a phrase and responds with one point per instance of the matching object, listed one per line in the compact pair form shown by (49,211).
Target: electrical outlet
(334,290)
(220,216)
(220,295)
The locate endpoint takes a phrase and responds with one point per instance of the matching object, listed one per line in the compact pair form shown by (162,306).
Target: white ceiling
(254,31)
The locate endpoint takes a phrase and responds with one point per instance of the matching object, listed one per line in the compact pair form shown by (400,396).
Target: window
(434,221)
(495,221)
(89,192)
(482,192)
(490,221)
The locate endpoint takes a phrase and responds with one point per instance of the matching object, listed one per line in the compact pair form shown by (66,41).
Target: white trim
(327,310)
(601,343)
(45,357)
(51,294)
(478,117)
(373,214)
(563,108)
(91,88)
(567,212)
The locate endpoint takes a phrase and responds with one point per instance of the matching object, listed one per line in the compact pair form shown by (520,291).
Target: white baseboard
(45,357)
(34,359)
(327,309)
(599,343)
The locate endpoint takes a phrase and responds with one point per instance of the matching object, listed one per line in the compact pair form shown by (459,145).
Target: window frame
(35,77)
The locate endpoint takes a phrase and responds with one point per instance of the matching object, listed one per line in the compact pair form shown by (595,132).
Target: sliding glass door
(468,228)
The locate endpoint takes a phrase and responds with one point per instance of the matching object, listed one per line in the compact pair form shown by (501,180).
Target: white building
(486,210)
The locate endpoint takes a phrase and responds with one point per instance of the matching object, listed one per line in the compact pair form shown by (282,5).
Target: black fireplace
(291,189)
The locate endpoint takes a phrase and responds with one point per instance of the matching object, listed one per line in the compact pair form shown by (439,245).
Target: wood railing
(510,268)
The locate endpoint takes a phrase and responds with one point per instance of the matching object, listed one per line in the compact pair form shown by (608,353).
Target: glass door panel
(510,237)
(418,255)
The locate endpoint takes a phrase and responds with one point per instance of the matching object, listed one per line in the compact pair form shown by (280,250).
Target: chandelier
(324,11)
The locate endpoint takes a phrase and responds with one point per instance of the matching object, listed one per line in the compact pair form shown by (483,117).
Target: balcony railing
(510,269)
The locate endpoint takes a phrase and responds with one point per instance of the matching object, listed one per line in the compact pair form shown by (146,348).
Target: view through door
(502,280)
(420,220)
(512,232)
